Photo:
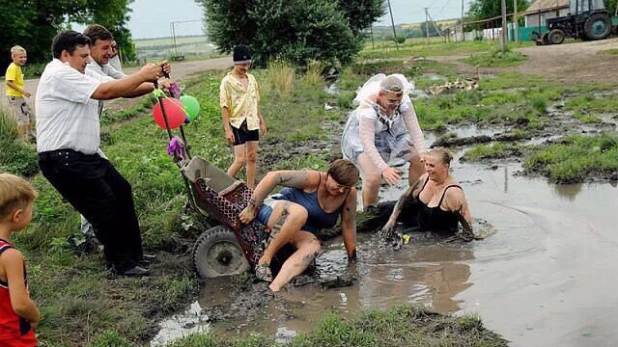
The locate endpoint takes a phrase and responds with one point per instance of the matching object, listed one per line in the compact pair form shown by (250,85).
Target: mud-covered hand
(247,215)
(388,230)
(390,235)
(391,175)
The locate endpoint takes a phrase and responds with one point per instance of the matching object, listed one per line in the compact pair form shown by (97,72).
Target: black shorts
(243,135)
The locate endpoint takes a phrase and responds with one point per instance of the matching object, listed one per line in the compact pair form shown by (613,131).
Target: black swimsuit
(429,218)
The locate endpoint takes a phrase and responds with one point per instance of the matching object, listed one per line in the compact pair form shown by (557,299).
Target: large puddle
(544,277)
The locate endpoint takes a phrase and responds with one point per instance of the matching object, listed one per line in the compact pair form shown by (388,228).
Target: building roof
(547,5)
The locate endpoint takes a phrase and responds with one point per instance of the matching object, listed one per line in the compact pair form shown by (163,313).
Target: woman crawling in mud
(436,202)
(310,201)
(382,128)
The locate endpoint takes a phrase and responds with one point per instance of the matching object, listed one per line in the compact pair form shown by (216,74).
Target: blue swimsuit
(317,218)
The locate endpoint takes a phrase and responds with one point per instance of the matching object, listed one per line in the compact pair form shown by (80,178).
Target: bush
(299,31)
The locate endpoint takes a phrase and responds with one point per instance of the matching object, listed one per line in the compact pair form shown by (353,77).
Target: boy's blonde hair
(15,193)
(17,49)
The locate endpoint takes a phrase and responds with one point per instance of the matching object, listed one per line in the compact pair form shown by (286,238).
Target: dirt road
(580,62)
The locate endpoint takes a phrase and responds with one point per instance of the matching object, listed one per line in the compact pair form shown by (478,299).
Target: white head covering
(372,87)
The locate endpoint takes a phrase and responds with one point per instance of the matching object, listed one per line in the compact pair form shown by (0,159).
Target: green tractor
(587,20)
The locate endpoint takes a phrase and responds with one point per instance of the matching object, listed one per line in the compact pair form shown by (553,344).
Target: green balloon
(192,106)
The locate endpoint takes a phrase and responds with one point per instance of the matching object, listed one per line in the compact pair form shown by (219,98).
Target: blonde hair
(15,193)
(444,155)
(17,49)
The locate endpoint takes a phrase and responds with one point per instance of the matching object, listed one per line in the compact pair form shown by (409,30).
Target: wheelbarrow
(227,247)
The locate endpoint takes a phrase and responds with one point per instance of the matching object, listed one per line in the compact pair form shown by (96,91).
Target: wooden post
(515,22)
(463,33)
(505,34)
(393,24)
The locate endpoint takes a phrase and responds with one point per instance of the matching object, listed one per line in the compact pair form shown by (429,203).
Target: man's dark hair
(68,41)
(98,32)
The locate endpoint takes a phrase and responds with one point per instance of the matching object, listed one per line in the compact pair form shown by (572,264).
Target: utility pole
(434,24)
(427,24)
(463,33)
(515,22)
(393,24)
(505,34)
(373,46)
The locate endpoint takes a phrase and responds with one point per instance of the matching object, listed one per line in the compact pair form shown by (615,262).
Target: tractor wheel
(598,27)
(556,36)
(545,39)
(217,253)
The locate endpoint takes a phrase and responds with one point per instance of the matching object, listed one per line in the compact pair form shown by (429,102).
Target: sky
(152,18)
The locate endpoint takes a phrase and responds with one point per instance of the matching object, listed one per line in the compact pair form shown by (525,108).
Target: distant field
(163,47)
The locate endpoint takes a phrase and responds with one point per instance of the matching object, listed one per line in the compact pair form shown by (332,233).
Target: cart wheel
(217,253)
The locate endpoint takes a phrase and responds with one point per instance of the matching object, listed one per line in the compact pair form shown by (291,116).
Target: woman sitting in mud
(382,128)
(310,201)
(436,202)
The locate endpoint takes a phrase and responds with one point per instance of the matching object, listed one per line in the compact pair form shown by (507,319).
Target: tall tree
(295,30)
(34,23)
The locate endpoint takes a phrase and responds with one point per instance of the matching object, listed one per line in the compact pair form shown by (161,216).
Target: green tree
(294,30)
(34,23)
(483,9)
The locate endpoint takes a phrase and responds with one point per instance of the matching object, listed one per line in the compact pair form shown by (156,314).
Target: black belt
(63,153)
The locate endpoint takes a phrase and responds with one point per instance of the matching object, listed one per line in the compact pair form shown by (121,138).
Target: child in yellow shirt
(15,92)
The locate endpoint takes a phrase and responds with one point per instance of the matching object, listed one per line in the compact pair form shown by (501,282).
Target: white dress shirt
(67,116)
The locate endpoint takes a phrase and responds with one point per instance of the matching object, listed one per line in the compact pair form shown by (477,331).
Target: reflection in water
(568,191)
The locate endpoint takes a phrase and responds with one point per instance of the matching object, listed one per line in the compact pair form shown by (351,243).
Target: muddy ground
(573,63)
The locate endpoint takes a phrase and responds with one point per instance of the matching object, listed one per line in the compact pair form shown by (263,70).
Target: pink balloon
(174,110)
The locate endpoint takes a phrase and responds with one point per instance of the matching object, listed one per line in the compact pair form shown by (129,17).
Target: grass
(280,78)
(586,108)
(495,58)
(399,326)
(494,150)
(416,49)
(613,51)
(16,156)
(575,158)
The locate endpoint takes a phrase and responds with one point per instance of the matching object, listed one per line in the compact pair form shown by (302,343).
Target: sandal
(263,273)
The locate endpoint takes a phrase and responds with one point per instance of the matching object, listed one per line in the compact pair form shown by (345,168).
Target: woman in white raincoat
(383,127)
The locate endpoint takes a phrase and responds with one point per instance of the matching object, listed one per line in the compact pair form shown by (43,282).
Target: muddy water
(544,275)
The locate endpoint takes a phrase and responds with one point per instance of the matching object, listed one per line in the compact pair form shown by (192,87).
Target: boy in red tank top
(18,313)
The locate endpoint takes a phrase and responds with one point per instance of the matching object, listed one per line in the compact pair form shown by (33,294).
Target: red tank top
(12,326)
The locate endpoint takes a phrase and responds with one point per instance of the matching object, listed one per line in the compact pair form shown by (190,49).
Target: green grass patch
(399,326)
(575,158)
(494,150)
(496,58)
(586,108)
(416,49)
(16,156)
(613,51)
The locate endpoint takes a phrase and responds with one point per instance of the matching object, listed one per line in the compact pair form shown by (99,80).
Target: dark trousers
(94,188)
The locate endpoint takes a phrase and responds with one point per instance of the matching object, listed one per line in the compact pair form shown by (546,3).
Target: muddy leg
(240,156)
(308,248)
(285,222)
(252,149)
(371,180)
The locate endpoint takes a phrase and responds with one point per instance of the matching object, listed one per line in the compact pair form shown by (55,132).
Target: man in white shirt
(101,43)
(68,140)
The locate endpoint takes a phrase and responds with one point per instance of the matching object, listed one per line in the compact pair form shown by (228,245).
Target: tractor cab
(587,20)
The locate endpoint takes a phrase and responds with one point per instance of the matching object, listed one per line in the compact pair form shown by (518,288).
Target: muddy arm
(293,179)
(389,228)
(348,225)
(456,201)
